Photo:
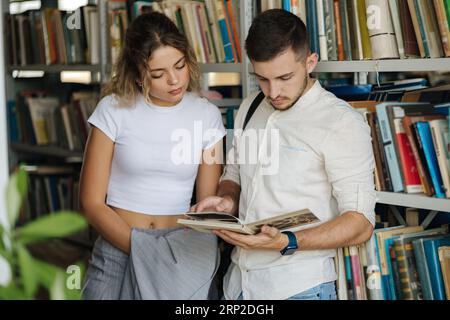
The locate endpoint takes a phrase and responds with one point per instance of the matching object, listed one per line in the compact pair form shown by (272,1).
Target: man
(325,163)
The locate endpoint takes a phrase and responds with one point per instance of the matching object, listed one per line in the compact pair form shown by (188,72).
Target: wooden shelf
(393,65)
(420,201)
(220,67)
(227,102)
(51,151)
(56,68)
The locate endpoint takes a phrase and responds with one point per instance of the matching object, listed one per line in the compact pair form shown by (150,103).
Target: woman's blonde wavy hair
(147,33)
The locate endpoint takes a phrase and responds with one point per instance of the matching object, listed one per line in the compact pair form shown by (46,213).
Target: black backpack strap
(255,103)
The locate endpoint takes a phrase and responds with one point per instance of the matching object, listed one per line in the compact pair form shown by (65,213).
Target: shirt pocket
(297,164)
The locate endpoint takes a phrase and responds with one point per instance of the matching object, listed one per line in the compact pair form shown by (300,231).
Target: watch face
(288,251)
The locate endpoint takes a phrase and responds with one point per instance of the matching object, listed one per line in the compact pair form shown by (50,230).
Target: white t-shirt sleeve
(106,117)
(214,129)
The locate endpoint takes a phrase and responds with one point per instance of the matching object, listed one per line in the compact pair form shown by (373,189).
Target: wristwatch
(292,244)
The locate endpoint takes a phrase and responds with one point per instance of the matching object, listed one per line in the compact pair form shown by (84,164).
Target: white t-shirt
(157,151)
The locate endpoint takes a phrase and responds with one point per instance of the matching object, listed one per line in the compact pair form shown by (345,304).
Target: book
(444,258)
(432,259)
(409,277)
(424,135)
(428,266)
(381,30)
(207,221)
(439,133)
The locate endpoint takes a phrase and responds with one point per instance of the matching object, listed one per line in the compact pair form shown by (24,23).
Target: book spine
(434,267)
(366,46)
(438,137)
(338,26)
(407,30)
(420,19)
(348,274)
(311,18)
(373,271)
(411,265)
(444,259)
(395,273)
(412,179)
(234,29)
(356,272)
(424,135)
(444,25)
(394,10)
(330,30)
(404,278)
(421,165)
(321,31)
(422,268)
(393,165)
(228,48)
(345,29)
(381,30)
(415,22)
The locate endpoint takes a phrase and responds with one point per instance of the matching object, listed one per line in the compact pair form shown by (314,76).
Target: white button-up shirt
(315,155)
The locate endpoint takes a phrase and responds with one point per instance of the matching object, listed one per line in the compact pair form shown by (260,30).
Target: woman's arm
(209,171)
(93,186)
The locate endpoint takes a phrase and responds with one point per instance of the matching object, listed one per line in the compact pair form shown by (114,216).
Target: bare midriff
(147,221)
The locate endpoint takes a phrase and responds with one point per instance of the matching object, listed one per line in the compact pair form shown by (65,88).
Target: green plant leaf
(56,225)
(12,292)
(46,273)
(5,271)
(15,193)
(22,182)
(27,271)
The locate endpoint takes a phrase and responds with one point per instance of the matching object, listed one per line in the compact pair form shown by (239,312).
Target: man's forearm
(349,229)
(228,188)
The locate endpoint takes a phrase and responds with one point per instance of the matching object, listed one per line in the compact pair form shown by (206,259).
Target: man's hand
(213,203)
(269,238)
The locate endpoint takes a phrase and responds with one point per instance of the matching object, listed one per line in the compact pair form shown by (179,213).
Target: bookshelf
(102,72)
(60,155)
(39,75)
(49,151)
(414,201)
(393,65)
(57,68)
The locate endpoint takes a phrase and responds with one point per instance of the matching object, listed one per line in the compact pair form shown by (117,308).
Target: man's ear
(311,62)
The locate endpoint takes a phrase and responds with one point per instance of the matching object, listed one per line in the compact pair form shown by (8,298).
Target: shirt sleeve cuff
(231,173)
(359,200)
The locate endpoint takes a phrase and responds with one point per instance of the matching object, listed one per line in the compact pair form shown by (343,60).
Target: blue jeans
(324,291)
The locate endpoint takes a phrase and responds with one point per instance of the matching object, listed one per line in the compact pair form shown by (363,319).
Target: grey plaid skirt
(167,264)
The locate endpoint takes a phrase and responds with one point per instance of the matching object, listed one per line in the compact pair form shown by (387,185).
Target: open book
(206,221)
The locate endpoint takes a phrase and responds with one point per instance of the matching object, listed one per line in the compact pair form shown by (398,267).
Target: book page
(286,221)
(213,215)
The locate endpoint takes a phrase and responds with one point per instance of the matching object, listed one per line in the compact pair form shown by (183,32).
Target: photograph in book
(207,221)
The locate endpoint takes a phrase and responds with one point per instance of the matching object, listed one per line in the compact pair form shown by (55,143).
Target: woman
(149,135)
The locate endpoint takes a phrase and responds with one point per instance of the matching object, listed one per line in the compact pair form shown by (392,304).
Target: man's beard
(305,84)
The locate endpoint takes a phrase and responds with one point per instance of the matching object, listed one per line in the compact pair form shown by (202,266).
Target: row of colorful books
(373,29)
(397,263)
(50,36)
(38,117)
(211,26)
(411,146)
(50,189)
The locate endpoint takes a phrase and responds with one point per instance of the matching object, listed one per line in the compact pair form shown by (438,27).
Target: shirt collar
(310,95)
